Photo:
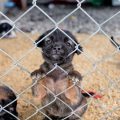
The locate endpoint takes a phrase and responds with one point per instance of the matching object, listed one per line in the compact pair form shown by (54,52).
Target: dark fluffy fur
(56,49)
(6,97)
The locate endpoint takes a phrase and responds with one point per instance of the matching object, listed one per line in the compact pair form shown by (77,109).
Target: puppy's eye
(68,44)
(48,41)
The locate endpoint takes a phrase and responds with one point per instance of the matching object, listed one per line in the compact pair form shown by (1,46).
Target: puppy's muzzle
(57,49)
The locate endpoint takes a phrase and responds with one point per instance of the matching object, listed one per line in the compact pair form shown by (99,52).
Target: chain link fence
(98,65)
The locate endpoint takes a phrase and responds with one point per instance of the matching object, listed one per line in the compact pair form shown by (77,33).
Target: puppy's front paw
(37,74)
(74,79)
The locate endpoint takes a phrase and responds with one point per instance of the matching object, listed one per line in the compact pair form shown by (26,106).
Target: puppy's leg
(38,91)
(75,74)
(80,110)
(37,74)
(41,72)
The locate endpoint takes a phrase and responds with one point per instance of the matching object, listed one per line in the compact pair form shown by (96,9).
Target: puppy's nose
(57,48)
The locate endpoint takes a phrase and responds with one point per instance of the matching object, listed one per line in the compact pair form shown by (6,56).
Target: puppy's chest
(57,75)
(57,81)
(57,85)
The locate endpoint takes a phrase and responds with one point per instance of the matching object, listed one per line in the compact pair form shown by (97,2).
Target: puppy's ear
(38,42)
(79,49)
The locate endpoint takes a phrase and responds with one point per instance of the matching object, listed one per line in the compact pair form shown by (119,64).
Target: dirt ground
(99,65)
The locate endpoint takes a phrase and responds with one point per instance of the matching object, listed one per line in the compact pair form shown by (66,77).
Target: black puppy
(6,97)
(5,27)
(56,49)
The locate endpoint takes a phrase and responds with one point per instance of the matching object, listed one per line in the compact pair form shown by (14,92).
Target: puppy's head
(57,47)
(7,96)
(5,27)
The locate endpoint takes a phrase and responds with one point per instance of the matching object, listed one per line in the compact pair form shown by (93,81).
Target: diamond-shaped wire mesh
(98,64)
